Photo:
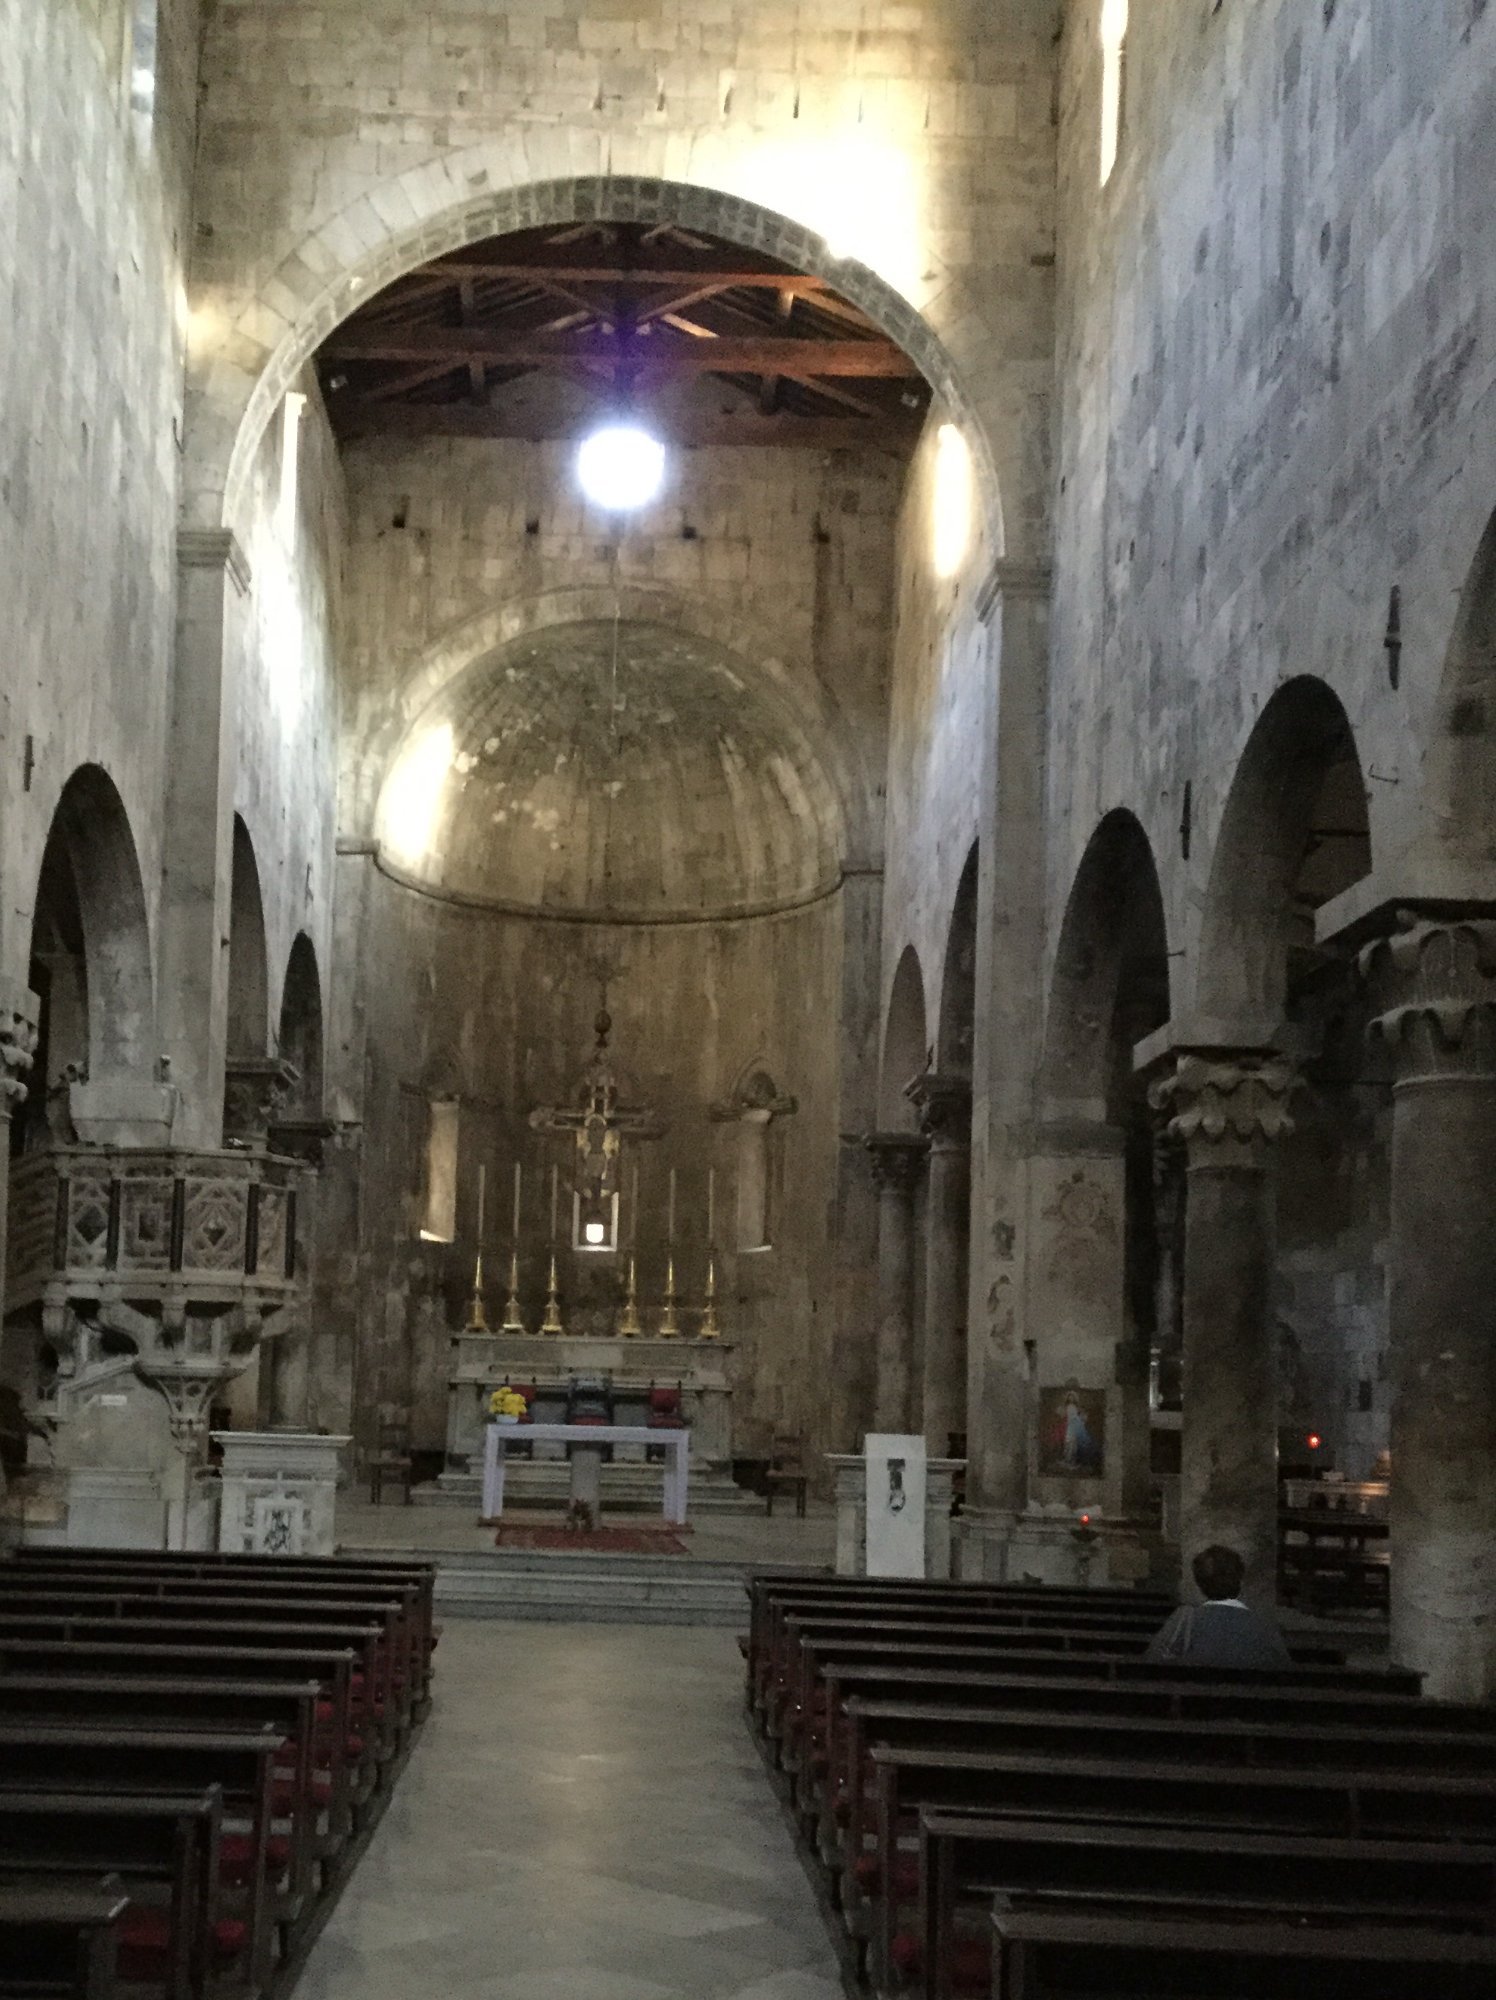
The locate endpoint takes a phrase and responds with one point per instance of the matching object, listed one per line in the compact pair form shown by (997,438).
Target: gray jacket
(1221,1634)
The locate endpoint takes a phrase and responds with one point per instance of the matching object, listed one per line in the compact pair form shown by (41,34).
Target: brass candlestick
(552,1321)
(669,1319)
(476,1321)
(513,1319)
(631,1325)
(711,1328)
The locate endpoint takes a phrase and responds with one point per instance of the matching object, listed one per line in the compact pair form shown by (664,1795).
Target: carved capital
(18,1016)
(1226,1106)
(944,1106)
(898,1159)
(214,549)
(1433,985)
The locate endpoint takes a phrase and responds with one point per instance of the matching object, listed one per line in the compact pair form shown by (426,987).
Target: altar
(586,1443)
(631,1367)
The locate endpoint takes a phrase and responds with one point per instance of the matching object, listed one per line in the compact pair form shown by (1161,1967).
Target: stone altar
(482,1361)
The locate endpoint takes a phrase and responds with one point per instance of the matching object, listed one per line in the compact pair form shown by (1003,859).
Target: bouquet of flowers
(507,1405)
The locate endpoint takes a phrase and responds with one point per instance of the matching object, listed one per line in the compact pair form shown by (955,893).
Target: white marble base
(279,1489)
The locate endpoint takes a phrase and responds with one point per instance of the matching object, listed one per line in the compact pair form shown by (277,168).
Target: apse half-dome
(628,772)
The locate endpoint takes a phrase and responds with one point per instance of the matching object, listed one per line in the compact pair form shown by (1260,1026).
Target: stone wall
(1277,402)
(92,255)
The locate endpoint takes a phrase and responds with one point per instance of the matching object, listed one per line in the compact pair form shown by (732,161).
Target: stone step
(625,1487)
(588,1588)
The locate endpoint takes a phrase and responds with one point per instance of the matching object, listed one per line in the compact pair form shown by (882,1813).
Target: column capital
(898,1159)
(943,1102)
(214,548)
(1226,1105)
(1010,579)
(1432,983)
(19,1010)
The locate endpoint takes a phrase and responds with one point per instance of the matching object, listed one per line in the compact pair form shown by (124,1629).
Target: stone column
(944,1106)
(1227,1107)
(213,580)
(898,1158)
(1434,984)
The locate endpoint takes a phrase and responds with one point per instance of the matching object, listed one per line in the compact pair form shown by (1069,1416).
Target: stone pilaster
(213,582)
(944,1107)
(898,1160)
(1433,985)
(1227,1108)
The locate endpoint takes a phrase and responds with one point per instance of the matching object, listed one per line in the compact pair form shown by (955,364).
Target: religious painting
(1072,1430)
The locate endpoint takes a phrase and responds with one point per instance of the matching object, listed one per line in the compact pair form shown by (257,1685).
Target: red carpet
(661,1541)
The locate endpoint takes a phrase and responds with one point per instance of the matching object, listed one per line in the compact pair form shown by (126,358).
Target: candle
(482,1192)
(555,1198)
(516,1200)
(634,1207)
(711,1205)
(670,1226)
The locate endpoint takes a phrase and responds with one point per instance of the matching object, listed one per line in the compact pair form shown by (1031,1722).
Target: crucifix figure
(599,1122)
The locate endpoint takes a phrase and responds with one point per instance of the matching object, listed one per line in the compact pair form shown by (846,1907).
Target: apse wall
(499,1012)
(91,266)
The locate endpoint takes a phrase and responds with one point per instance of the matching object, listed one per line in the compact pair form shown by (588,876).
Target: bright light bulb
(596,1232)
(620,466)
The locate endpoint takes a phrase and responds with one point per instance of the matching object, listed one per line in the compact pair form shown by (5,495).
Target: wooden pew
(363,1640)
(967,1860)
(59,1939)
(1186,1745)
(353,1774)
(337,1571)
(1053,1955)
(389,1690)
(290,1707)
(165,1852)
(113,1758)
(1142,1687)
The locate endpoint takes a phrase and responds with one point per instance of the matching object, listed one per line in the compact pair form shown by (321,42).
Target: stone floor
(440,1530)
(584,1818)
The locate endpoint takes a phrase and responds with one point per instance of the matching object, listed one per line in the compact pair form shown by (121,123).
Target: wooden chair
(390,1458)
(787,1474)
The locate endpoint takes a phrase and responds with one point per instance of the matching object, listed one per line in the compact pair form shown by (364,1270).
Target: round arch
(1293,833)
(232,433)
(90,892)
(248,1030)
(958,979)
(1463,755)
(1110,985)
(905,1044)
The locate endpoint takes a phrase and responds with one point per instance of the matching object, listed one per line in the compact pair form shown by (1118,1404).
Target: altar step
(587,1589)
(626,1488)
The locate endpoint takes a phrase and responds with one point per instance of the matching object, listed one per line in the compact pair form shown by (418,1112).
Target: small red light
(1314,1440)
(1085,1520)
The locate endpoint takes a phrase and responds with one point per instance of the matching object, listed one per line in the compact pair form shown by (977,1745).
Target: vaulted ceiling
(541,333)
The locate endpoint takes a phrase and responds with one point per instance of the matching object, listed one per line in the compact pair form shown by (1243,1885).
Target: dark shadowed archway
(905,1044)
(300,1039)
(249,980)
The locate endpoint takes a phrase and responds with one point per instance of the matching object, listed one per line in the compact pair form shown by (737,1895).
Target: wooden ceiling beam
(653,356)
(448,269)
(686,430)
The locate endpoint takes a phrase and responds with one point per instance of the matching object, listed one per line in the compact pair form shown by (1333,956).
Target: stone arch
(1110,985)
(1463,754)
(1293,833)
(958,980)
(231,428)
(300,1038)
(906,1052)
(91,910)
(248,1027)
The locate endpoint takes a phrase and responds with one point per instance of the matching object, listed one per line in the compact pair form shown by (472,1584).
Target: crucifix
(599,1123)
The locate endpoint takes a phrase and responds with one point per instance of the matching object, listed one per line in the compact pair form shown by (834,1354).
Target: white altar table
(586,1464)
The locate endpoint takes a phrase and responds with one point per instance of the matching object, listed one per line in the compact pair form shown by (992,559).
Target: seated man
(1221,1632)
